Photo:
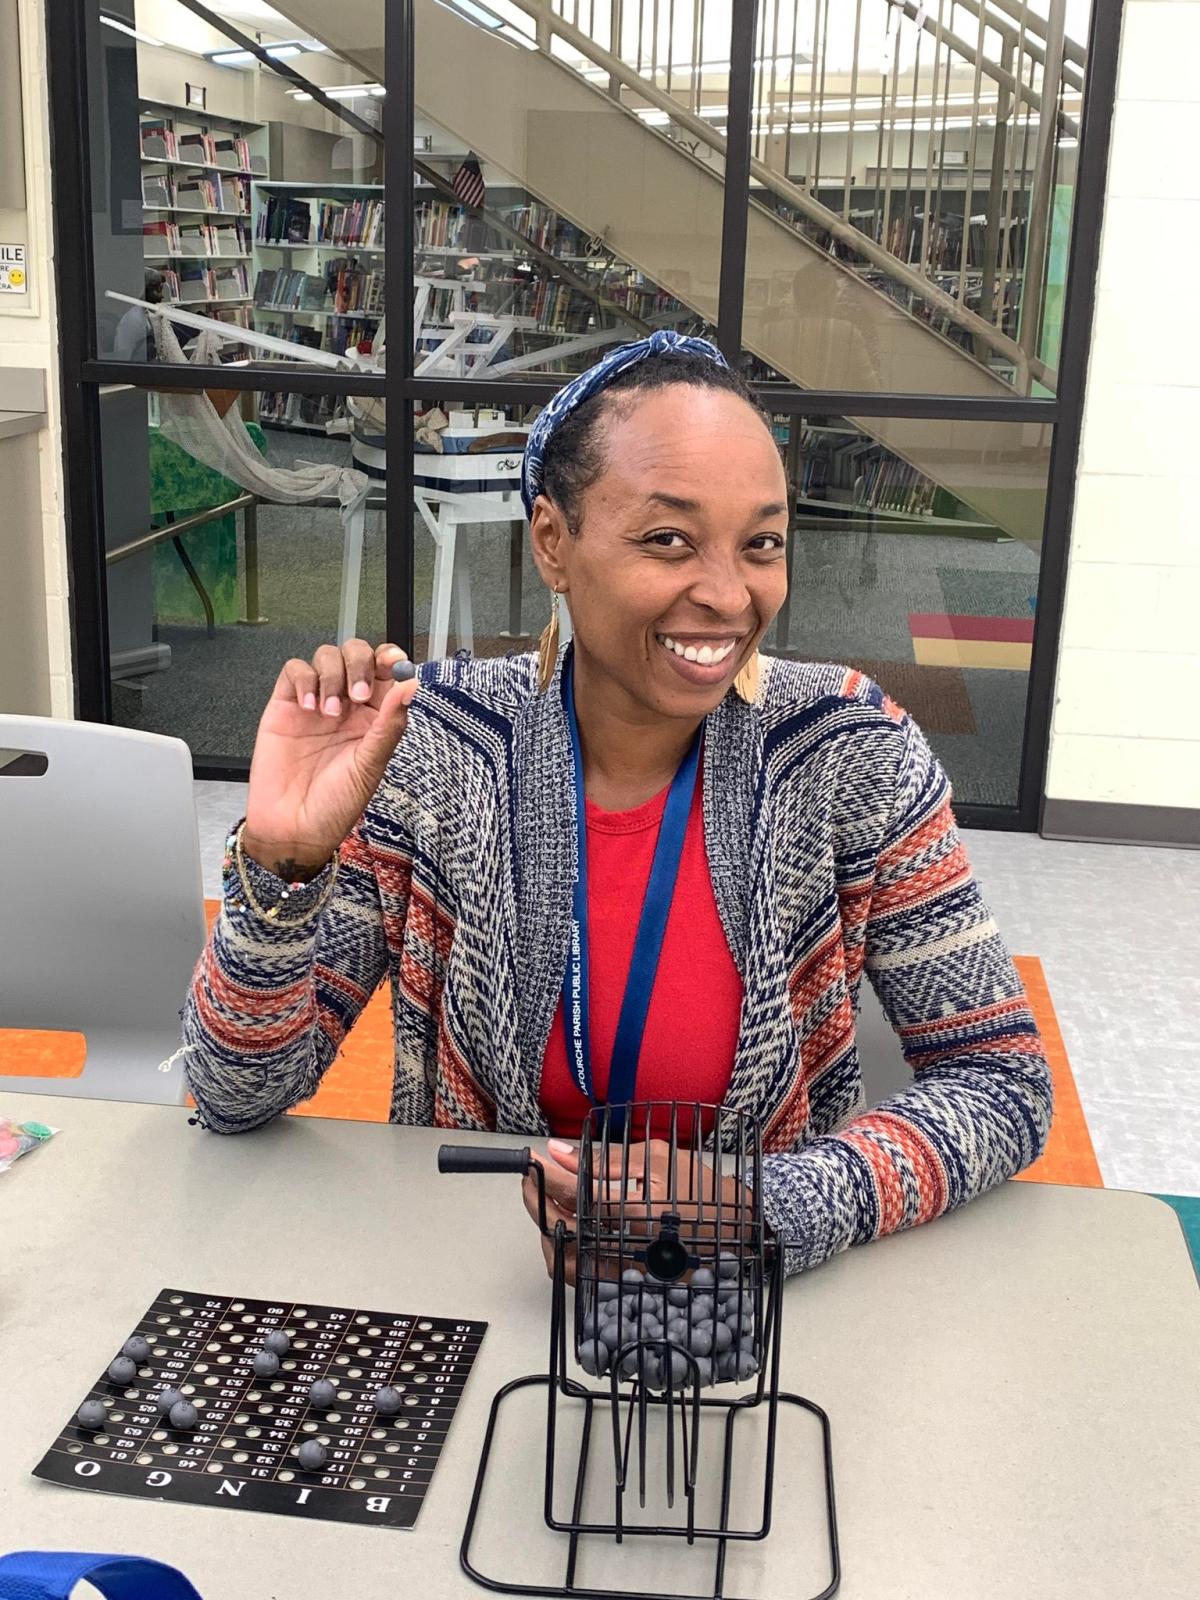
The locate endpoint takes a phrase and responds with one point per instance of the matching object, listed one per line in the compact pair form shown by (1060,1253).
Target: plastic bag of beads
(16,1138)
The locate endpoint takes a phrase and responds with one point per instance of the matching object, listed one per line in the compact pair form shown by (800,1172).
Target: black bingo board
(242,1452)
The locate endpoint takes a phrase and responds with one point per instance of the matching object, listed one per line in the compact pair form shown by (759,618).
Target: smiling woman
(649,866)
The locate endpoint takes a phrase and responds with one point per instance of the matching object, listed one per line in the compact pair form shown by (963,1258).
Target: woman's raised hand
(323,745)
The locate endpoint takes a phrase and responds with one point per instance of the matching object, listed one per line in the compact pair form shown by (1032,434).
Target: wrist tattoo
(292,871)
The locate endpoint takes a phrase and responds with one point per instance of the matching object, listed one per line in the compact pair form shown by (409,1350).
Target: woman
(426,831)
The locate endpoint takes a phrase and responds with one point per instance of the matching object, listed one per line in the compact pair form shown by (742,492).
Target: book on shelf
(232,152)
(160,238)
(199,148)
(354,287)
(234,196)
(158,140)
(195,283)
(196,240)
(437,225)
(157,191)
(352,222)
(284,220)
(170,283)
(230,239)
(346,331)
(230,282)
(284,288)
(235,314)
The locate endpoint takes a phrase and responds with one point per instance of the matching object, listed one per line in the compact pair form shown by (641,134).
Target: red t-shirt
(692,1023)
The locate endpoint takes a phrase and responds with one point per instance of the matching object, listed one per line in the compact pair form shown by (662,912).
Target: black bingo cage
(678,1298)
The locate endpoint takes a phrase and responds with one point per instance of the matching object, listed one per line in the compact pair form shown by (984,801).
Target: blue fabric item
(569,398)
(53,1574)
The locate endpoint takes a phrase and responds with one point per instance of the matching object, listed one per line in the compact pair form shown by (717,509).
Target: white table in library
(1012,1389)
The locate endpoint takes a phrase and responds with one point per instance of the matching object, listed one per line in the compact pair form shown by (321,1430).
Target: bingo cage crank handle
(474,1158)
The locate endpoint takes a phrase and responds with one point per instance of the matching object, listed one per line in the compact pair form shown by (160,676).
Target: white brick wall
(1126,722)
(29,338)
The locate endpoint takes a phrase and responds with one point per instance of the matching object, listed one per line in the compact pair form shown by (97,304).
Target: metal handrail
(172,530)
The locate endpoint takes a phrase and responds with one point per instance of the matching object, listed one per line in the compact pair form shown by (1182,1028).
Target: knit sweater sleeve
(270,1004)
(978,1110)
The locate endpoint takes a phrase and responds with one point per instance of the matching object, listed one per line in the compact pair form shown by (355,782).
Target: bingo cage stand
(678,1290)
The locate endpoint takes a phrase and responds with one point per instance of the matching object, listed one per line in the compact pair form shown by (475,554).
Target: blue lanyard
(652,925)
(53,1574)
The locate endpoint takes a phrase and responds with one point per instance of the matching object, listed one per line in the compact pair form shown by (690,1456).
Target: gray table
(1012,1389)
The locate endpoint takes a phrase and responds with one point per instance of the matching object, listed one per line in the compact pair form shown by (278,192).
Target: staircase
(626,155)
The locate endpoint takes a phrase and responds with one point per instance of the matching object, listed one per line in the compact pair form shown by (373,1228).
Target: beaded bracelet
(272,915)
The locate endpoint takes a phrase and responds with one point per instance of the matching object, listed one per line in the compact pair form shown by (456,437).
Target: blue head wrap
(568,399)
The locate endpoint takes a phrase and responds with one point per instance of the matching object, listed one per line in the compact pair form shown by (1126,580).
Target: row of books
(554,305)
(438,225)
(198,240)
(295,291)
(161,192)
(943,241)
(861,471)
(160,142)
(197,283)
(337,334)
(546,229)
(284,220)
(354,288)
(354,222)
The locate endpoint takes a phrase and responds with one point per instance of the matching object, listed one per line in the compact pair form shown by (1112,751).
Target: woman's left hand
(646,1162)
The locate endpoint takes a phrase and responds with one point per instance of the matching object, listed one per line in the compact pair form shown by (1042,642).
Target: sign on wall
(14,278)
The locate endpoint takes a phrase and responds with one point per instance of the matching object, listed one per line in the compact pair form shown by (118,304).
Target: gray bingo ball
(679,1295)
(703,1278)
(136,1348)
(311,1455)
(722,1336)
(632,1278)
(402,671)
(701,1342)
(278,1342)
(593,1358)
(728,1267)
(607,1290)
(166,1398)
(388,1400)
(322,1394)
(266,1363)
(91,1415)
(704,1371)
(183,1415)
(122,1370)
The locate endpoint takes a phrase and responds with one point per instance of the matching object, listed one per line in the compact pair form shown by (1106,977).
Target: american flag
(467,182)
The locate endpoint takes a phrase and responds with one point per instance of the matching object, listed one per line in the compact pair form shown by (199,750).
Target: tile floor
(1117,930)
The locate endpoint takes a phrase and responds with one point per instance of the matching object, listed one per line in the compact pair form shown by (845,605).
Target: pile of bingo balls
(711,1317)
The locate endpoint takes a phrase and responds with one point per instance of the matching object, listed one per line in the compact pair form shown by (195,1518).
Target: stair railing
(977,278)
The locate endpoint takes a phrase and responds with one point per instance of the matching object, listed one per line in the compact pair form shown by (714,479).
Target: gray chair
(101,900)
(884,1069)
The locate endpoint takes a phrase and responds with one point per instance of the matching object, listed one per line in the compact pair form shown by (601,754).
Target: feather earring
(745,685)
(548,647)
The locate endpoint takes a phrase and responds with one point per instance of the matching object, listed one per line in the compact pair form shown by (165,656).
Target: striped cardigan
(832,847)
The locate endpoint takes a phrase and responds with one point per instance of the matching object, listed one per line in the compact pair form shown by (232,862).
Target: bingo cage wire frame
(653,1333)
